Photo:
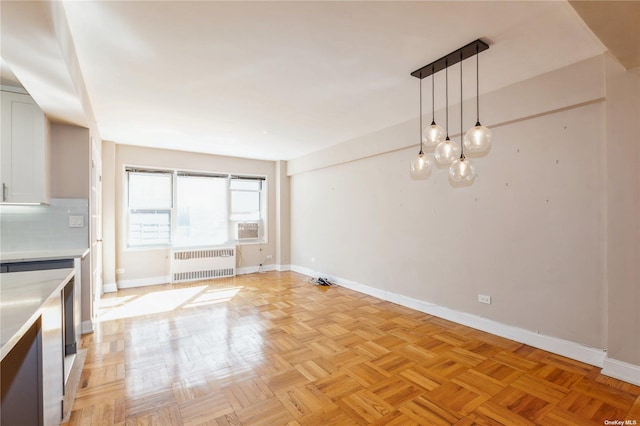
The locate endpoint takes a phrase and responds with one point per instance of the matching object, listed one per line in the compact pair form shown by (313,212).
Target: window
(207,210)
(149,204)
(202,210)
(245,199)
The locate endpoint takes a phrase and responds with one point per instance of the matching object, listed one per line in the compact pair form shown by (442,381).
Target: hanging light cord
(477,88)
(433,97)
(420,153)
(446,73)
(461,134)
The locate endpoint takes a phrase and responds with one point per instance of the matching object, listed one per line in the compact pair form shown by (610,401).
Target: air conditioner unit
(248,230)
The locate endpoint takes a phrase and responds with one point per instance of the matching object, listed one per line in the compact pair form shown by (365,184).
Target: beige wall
(108,216)
(70,161)
(71,178)
(531,232)
(623,213)
(283,217)
(148,265)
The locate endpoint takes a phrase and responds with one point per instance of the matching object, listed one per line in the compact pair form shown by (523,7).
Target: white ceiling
(278,80)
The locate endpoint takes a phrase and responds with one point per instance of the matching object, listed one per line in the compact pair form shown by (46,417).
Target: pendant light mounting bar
(452,58)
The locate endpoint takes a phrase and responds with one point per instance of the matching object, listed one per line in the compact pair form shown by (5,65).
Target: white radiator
(202,264)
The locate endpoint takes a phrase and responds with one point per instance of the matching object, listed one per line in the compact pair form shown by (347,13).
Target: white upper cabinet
(25,153)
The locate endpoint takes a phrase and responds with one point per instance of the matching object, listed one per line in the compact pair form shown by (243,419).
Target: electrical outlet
(268,257)
(483,298)
(76,221)
(313,260)
(120,271)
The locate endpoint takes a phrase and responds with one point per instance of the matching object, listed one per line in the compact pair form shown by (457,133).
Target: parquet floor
(272,349)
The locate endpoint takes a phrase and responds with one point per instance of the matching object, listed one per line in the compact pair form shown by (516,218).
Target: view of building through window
(185,209)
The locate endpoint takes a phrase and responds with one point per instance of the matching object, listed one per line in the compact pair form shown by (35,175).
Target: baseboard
(109,288)
(246,270)
(86,327)
(622,370)
(143,282)
(265,268)
(573,350)
(253,269)
(303,270)
(586,354)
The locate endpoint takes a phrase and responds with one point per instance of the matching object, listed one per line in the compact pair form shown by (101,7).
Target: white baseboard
(586,354)
(143,282)
(265,268)
(87,327)
(246,270)
(303,270)
(253,269)
(109,288)
(622,370)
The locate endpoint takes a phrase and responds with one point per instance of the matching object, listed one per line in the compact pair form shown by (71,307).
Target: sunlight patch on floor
(214,296)
(153,303)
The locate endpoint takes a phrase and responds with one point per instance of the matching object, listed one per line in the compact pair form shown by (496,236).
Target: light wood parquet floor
(272,349)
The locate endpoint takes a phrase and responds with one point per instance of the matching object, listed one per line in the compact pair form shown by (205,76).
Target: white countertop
(52,254)
(22,295)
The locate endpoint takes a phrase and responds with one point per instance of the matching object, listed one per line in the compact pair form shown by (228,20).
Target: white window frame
(129,211)
(179,173)
(263,238)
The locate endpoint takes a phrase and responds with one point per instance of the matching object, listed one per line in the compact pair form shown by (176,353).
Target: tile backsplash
(24,228)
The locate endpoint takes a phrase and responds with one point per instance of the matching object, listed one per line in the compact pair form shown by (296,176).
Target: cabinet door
(20,381)
(52,361)
(24,150)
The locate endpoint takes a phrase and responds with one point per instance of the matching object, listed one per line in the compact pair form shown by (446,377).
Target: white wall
(531,232)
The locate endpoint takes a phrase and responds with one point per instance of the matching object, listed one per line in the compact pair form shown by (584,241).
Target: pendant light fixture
(462,170)
(478,138)
(420,165)
(446,151)
(433,134)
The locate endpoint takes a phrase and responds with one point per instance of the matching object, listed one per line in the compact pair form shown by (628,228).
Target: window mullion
(174,206)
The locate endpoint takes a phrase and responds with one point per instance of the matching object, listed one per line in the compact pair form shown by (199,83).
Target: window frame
(129,211)
(231,237)
(179,174)
(262,220)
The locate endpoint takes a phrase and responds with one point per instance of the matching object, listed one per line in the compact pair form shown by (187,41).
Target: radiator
(202,264)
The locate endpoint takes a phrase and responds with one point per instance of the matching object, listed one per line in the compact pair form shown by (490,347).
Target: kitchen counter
(22,296)
(37,255)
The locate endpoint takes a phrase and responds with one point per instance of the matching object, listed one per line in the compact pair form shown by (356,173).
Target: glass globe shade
(477,139)
(446,152)
(433,135)
(462,170)
(420,167)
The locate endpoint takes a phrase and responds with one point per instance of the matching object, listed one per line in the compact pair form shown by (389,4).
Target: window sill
(258,241)
(249,242)
(149,247)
